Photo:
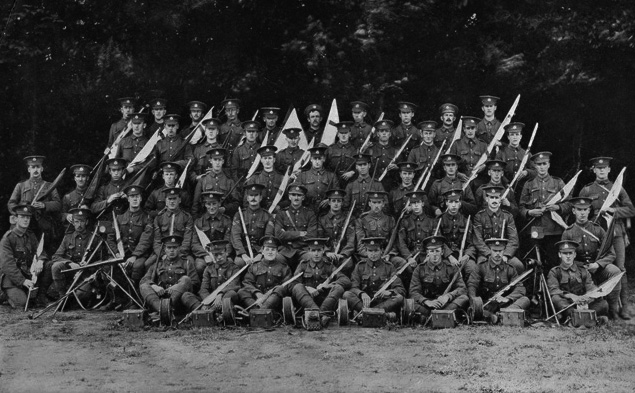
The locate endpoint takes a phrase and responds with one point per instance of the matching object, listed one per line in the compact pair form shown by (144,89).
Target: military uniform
(357,191)
(271,180)
(575,280)
(101,200)
(423,155)
(513,156)
(470,151)
(317,183)
(156,201)
(242,158)
(115,129)
(359,133)
(330,225)
(287,158)
(71,249)
(381,225)
(218,182)
(412,230)
(200,164)
(217,227)
(430,281)
(339,159)
(488,224)
(259,224)
(173,149)
(132,227)
(399,135)
(481,203)
(442,186)
(130,146)
(260,278)
(231,132)
(486,129)
(288,225)
(444,134)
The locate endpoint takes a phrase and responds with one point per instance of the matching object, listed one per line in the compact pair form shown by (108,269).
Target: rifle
(364,145)
(242,222)
(256,162)
(332,275)
(463,241)
(431,167)
(401,149)
(38,252)
(281,190)
(107,262)
(508,286)
(387,284)
(348,220)
(614,193)
(269,292)
(522,165)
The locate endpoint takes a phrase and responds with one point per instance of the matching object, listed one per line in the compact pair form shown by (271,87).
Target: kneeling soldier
(18,248)
(368,277)
(215,275)
(570,281)
(430,280)
(491,276)
(307,290)
(171,276)
(265,274)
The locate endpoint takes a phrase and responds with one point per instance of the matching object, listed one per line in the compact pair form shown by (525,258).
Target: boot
(625,312)
(613,309)
(190,301)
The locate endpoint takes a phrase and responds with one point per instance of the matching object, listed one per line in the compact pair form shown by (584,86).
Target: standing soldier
(430,281)
(512,153)
(215,225)
(258,223)
(314,116)
(231,132)
(489,125)
(155,203)
(74,198)
(414,227)
(317,180)
(294,224)
(331,225)
(45,218)
(397,196)
(268,177)
(590,237)
(245,154)
(495,170)
(200,163)
(172,148)
(622,209)
(359,129)
(18,249)
(358,189)
(383,152)
(468,148)
(270,118)
(288,156)
(427,151)
(132,144)
(158,112)
(216,180)
(265,274)
(171,276)
(316,270)
(406,128)
(493,275)
(369,276)
(196,114)
(111,194)
(126,107)
(448,183)
(446,131)
(340,155)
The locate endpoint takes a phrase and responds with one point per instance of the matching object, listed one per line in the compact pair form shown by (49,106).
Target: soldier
(452,226)
(570,281)
(134,224)
(492,276)
(294,224)
(111,194)
(265,274)
(158,112)
(430,285)
(132,143)
(427,151)
(268,177)
(494,222)
(358,189)
(468,148)
(489,125)
(270,118)
(200,163)
(414,227)
(622,210)
(495,170)
(126,108)
(446,131)
(383,152)
(215,225)
(288,156)
(215,275)
(406,128)
(317,180)
(512,153)
(216,180)
(369,275)
(172,148)
(231,132)
(155,203)
(314,116)
(359,129)
(307,289)
(196,114)
(73,199)
(397,196)
(258,223)
(339,156)
(170,277)
(331,226)
(447,183)
(535,195)
(590,237)
(31,191)
(19,262)
(245,154)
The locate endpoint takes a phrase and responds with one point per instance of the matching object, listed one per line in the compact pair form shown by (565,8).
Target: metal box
(586,318)
(312,319)
(262,318)
(134,318)
(203,318)
(443,319)
(373,317)
(512,317)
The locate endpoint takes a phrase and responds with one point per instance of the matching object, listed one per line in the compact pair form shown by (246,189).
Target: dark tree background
(63,64)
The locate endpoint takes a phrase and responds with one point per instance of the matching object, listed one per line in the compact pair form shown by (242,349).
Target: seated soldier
(268,177)
(570,281)
(331,226)
(215,225)
(317,180)
(216,274)
(216,180)
(450,182)
(429,287)
(170,277)
(357,190)
(155,204)
(495,171)
(492,276)
(494,222)
(414,228)
(19,264)
(308,290)
(397,196)
(265,274)
(369,275)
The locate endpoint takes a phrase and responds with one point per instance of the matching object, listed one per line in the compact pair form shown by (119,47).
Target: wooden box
(203,318)
(373,317)
(512,317)
(442,319)
(262,318)
(586,318)
(134,318)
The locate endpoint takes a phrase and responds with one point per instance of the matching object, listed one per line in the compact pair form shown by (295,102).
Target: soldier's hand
(257,258)
(302,233)
(38,266)
(535,212)
(436,304)
(324,203)
(464,259)
(73,265)
(453,260)
(28,284)
(505,258)
(522,174)
(159,291)
(430,303)
(501,300)
(130,261)
(347,175)
(506,202)
(462,177)
(386,257)
(611,210)
(443,299)
(247,259)
(412,262)
(392,166)
(365,300)
(217,302)
(259,295)
(552,208)
(384,294)
(38,205)
(438,212)
(170,290)
(69,218)
(312,291)
(208,260)
(112,198)
(221,210)
(592,267)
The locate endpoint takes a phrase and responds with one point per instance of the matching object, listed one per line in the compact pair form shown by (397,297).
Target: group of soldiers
(403,204)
